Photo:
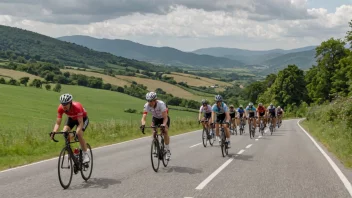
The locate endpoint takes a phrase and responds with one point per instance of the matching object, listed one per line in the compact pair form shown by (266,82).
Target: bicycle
(224,144)
(261,126)
(279,121)
(233,127)
(251,128)
(77,159)
(242,124)
(158,148)
(271,126)
(208,136)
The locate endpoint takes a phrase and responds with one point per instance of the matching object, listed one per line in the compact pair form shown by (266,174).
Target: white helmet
(218,98)
(151,96)
(65,98)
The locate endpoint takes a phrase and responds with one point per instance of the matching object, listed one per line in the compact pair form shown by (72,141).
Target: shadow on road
(241,157)
(102,183)
(179,169)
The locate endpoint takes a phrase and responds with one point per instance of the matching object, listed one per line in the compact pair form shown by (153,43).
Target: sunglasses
(65,104)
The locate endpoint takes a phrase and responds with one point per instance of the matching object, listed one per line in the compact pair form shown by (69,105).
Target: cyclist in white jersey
(206,109)
(160,117)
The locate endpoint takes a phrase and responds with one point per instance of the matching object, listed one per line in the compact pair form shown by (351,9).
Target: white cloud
(259,25)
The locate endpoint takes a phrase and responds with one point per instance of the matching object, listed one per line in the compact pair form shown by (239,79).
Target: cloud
(90,11)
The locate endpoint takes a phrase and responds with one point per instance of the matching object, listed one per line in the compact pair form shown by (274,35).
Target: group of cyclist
(218,113)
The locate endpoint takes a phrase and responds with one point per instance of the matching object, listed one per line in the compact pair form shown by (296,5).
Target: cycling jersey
(272,111)
(240,111)
(74,112)
(156,111)
(206,109)
(220,110)
(279,111)
(261,109)
(251,111)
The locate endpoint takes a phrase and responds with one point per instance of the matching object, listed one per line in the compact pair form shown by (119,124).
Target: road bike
(261,126)
(242,124)
(158,151)
(232,127)
(73,156)
(208,134)
(251,127)
(271,126)
(223,144)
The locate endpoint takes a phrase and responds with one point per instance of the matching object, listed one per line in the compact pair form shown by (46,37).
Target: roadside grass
(331,124)
(28,115)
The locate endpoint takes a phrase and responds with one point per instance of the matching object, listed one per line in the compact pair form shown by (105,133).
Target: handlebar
(151,127)
(63,132)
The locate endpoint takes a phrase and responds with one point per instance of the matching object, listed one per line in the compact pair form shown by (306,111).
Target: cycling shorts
(72,123)
(159,121)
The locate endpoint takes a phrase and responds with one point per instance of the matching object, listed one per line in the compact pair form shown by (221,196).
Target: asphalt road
(286,164)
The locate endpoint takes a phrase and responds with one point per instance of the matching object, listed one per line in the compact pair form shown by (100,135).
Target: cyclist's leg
(166,134)
(203,119)
(81,139)
(227,128)
(68,127)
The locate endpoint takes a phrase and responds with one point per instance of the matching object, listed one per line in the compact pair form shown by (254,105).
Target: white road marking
(240,152)
(55,158)
(259,136)
(256,139)
(248,146)
(208,179)
(332,163)
(195,145)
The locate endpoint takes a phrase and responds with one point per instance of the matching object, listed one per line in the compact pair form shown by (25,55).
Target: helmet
(150,96)
(204,101)
(271,104)
(278,107)
(260,104)
(218,98)
(65,98)
(241,106)
(250,104)
(231,106)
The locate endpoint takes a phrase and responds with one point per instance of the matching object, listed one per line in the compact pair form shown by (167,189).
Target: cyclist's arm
(200,114)
(57,124)
(80,124)
(228,118)
(165,118)
(144,117)
(212,117)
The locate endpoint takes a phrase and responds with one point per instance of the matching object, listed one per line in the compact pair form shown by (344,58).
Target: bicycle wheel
(65,162)
(212,137)
(250,130)
(154,155)
(87,168)
(204,137)
(163,153)
(223,149)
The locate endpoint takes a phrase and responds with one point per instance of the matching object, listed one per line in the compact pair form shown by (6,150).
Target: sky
(186,24)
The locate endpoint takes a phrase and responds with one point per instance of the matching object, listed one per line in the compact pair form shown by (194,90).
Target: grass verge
(37,146)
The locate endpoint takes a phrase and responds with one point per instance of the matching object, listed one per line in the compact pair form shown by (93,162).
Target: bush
(130,110)
(48,87)
(57,87)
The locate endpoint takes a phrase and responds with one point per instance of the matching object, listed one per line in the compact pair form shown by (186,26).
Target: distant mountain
(156,55)
(45,48)
(303,60)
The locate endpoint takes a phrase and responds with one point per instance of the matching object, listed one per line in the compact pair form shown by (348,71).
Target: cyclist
(232,113)
(221,112)
(206,109)
(160,117)
(241,114)
(261,113)
(272,113)
(251,114)
(76,116)
(280,113)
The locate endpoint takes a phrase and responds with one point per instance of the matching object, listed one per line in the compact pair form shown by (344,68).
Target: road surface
(286,164)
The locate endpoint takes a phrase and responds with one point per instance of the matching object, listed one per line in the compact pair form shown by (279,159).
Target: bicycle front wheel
(212,139)
(204,137)
(65,163)
(87,168)
(154,155)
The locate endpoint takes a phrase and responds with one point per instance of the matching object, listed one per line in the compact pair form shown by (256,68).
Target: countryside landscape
(111,77)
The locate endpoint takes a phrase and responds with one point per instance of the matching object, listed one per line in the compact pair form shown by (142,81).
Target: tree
(2,81)
(107,86)
(24,80)
(252,91)
(36,83)
(49,76)
(290,87)
(67,74)
(47,87)
(57,87)
(12,82)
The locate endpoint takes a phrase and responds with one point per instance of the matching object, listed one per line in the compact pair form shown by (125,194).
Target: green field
(28,115)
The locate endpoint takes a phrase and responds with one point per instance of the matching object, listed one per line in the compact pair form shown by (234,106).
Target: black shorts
(221,118)
(72,123)
(159,121)
(207,116)
(251,115)
(241,115)
(272,115)
(261,114)
(232,115)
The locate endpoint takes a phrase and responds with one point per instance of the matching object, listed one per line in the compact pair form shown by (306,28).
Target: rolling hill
(44,48)
(155,55)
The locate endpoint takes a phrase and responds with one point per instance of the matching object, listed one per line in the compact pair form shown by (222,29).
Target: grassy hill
(157,55)
(36,110)
(7,73)
(45,48)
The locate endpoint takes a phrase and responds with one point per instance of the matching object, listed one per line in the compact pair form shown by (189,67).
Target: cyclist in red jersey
(77,116)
